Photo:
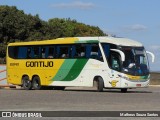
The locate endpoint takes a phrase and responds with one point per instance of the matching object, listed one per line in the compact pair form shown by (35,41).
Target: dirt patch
(155,78)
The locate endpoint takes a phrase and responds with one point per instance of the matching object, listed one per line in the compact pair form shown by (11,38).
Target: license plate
(138,85)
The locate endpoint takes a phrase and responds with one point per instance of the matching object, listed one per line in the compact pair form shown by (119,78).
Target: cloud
(74,5)
(136,27)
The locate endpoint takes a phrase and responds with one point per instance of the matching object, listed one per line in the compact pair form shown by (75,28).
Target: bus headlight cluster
(124,77)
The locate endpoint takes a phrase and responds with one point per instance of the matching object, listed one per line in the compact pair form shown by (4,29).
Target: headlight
(124,77)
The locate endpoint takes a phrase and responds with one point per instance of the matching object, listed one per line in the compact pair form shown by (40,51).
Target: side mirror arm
(152,55)
(121,53)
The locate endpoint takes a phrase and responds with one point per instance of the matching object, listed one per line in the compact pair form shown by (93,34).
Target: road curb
(154,85)
(7,86)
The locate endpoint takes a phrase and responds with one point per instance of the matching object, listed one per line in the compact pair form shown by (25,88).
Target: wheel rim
(26,83)
(36,83)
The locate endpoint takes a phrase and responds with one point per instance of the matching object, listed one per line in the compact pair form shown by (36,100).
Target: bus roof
(70,40)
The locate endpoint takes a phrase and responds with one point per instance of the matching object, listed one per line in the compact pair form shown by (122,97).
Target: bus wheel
(36,83)
(124,90)
(99,84)
(27,85)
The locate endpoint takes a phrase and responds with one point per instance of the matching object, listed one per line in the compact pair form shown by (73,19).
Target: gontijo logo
(39,64)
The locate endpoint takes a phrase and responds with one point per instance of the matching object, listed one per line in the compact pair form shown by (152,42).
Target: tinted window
(43,52)
(22,52)
(36,52)
(50,52)
(93,52)
(62,51)
(71,51)
(79,51)
(12,52)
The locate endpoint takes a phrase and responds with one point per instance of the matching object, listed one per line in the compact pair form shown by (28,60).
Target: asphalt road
(76,99)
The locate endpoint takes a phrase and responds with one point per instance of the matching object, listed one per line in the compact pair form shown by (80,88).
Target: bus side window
(93,52)
(22,52)
(100,55)
(88,50)
(43,52)
(63,51)
(115,61)
(36,52)
(29,53)
(106,48)
(51,51)
(73,52)
(81,51)
(96,53)
(13,52)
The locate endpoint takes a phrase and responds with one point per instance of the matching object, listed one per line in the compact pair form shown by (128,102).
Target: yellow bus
(104,62)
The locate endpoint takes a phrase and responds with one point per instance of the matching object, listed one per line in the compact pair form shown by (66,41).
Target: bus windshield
(136,62)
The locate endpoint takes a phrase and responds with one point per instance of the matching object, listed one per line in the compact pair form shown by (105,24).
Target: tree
(70,28)
(15,25)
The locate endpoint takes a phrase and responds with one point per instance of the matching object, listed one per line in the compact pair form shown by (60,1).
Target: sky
(135,19)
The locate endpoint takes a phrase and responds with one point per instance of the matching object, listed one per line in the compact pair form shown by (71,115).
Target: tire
(26,83)
(99,84)
(124,90)
(36,84)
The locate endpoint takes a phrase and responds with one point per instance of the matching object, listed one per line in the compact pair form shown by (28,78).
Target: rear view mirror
(120,52)
(152,55)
